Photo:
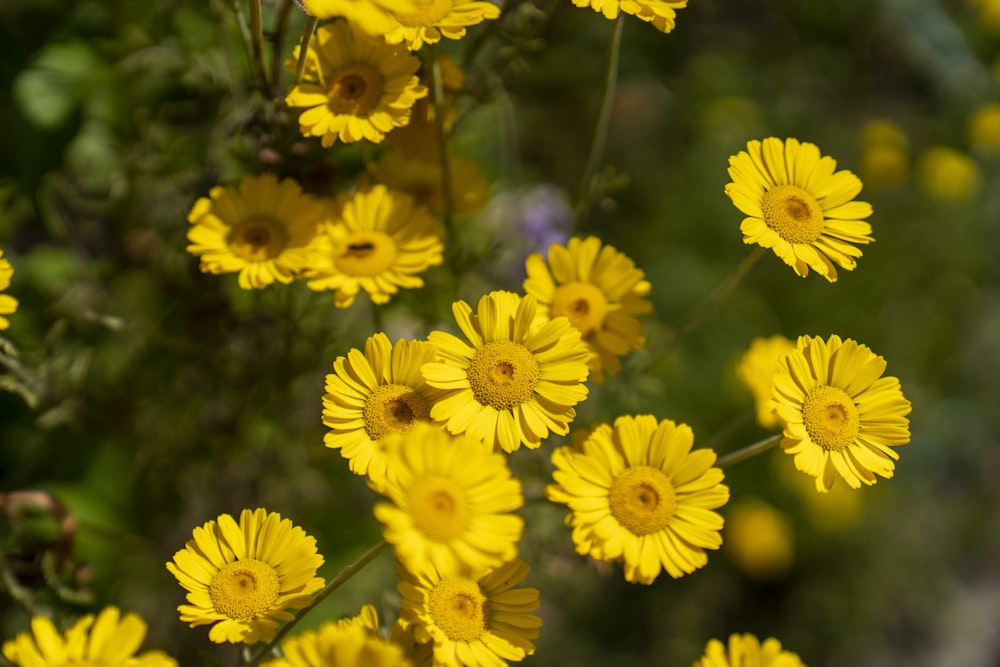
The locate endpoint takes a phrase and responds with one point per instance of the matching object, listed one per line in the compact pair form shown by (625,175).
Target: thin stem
(333,585)
(749,451)
(280,33)
(439,120)
(714,299)
(257,46)
(600,137)
(307,36)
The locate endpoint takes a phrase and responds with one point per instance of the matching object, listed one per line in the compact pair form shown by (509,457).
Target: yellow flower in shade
(379,242)
(799,206)
(433,19)
(265,230)
(243,578)
(638,494)
(660,13)
(109,640)
(746,651)
(363,87)
(8,304)
(948,174)
(452,502)
(420,137)
(885,159)
(755,370)
(373,394)
(600,290)
(473,621)
(841,416)
(351,642)
(759,540)
(984,128)
(422,179)
(509,383)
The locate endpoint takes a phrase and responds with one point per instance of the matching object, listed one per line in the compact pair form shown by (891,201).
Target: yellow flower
(638,494)
(420,138)
(984,128)
(759,540)
(660,13)
(509,383)
(8,304)
(600,290)
(110,640)
(363,86)
(422,179)
(379,242)
(433,19)
(265,230)
(885,159)
(755,370)
(373,16)
(799,206)
(351,642)
(746,651)
(373,394)
(452,502)
(243,578)
(473,621)
(948,174)
(841,416)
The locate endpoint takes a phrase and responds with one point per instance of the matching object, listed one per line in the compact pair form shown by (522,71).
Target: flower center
(642,499)
(459,608)
(583,303)
(831,418)
(355,89)
(244,589)
(365,254)
(257,239)
(438,507)
(428,13)
(503,374)
(393,408)
(793,213)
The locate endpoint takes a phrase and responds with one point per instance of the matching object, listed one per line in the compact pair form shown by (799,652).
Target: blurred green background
(144,398)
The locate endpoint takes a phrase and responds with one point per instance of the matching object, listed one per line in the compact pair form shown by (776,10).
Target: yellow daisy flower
(841,416)
(660,13)
(639,495)
(109,640)
(478,621)
(433,19)
(799,206)
(373,394)
(422,179)
(363,86)
(509,383)
(745,651)
(452,502)
(379,242)
(755,370)
(375,17)
(265,230)
(600,290)
(349,643)
(243,578)
(8,304)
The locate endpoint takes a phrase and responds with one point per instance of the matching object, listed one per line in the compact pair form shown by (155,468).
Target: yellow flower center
(438,507)
(503,374)
(583,303)
(831,418)
(458,607)
(355,89)
(428,13)
(365,254)
(244,589)
(257,239)
(793,213)
(642,499)
(393,408)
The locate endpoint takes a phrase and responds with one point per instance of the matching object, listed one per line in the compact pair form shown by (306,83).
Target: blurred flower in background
(984,129)
(885,160)
(756,368)
(759,539)
(948,174)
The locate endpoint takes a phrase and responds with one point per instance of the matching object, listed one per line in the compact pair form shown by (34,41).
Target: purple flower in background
(524,222)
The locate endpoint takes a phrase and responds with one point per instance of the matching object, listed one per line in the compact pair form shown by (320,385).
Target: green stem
(257,46)
(748,451)
(307,36)
(280,33)
(439,120)
(333,585)
(600,137)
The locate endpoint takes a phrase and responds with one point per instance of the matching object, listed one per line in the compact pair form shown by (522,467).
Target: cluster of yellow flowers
(431,423)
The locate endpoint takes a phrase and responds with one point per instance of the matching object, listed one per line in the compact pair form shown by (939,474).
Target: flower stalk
(748,451)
